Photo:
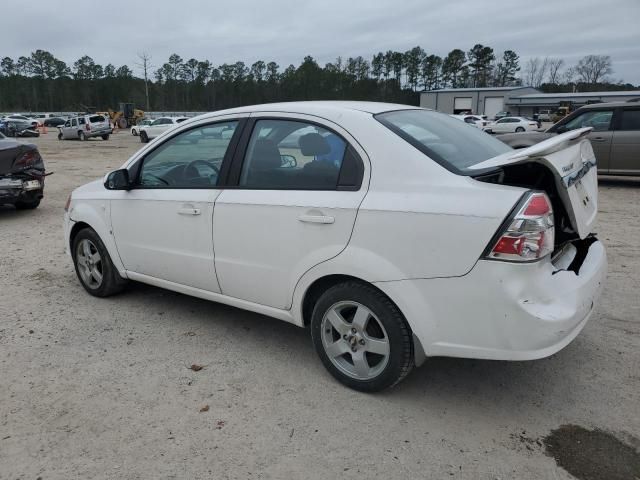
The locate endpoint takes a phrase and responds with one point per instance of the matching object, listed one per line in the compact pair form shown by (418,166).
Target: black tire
(400,359)
(60,137)
(143,137)
(519,129)
(105,137)
(30,205)
(111,282)
(82,136)
(134,132)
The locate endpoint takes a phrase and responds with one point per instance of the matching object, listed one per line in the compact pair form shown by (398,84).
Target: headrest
(313,144)
(265,156)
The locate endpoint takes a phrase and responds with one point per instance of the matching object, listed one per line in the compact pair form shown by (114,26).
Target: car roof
(329,109)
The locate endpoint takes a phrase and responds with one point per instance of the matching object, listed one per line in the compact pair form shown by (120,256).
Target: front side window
(444,139)
(74,123)
(286,154)
(191,159)
(630,120)
(598,119)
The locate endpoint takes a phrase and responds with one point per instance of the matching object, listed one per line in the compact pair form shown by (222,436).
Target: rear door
(625,145)
(294,191)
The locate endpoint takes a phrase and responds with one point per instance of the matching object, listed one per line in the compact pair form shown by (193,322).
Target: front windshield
(453,144)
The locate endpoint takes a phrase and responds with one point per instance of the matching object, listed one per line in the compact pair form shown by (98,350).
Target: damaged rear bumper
(20,188)
(505,311)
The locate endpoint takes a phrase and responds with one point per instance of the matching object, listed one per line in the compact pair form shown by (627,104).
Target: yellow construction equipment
(126,116)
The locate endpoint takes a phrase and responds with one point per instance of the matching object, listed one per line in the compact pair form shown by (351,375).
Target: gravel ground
(101,388)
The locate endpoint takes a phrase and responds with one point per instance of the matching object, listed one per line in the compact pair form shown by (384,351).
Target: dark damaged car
(21,174)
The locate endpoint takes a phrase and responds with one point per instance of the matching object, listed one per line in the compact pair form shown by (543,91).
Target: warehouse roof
(483,89)
(621,93)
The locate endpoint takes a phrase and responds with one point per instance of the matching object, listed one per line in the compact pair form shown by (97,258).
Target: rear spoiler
(550,145)
(541,149)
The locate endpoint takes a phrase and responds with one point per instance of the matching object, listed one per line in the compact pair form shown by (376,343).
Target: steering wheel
(191,171)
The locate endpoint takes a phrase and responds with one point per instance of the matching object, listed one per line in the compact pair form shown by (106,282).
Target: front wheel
(361,337)
(105,137)
(519,129)
(143,137)
(27,205)
(93,265)
(82,136)
(60,136)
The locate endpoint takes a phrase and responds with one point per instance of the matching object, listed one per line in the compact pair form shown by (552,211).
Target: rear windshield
(96,119)
(453,144)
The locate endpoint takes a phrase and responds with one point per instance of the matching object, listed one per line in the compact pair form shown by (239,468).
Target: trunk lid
(570,158)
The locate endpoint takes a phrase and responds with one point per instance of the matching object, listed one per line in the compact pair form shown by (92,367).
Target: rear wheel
(60,137)
(94,267)
(143,137)
(519,129)
(82,136)
(361,337)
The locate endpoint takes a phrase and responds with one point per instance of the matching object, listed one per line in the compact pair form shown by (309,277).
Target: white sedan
(513,125)
(135,129)
(157,127)
(394,233)
(474,120)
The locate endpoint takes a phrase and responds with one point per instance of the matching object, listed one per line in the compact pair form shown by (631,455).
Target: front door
(600,136)
(163,226)
(298,189)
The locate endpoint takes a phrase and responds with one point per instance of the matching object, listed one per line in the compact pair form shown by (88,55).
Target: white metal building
(483,101)
(521,101)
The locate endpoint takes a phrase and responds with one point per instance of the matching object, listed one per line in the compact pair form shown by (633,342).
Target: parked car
(22,174)
(615,135)
(395,233)
(545,115)
(24,118)
(12,127)
(54,121)
(85,127)
(475,120)
(41,117)
(513,124)
(158,126)
(142,123)
(500,115)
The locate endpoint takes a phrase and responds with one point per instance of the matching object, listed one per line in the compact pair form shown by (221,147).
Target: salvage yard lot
(102,388)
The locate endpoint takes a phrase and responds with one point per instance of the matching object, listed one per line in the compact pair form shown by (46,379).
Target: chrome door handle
(189,211)
(325,219)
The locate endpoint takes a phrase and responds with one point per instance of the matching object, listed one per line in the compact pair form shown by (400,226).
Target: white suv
(394,233)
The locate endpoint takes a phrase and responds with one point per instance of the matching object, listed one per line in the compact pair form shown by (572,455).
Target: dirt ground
(101,388)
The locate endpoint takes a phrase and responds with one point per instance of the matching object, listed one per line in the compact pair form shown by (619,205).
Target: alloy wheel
(355,340)
(89,263)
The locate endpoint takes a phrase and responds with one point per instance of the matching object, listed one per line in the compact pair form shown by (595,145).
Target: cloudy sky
(287,30)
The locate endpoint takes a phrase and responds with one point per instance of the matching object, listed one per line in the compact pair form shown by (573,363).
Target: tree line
(42,82)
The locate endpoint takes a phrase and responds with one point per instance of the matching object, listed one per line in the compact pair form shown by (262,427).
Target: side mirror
(118,180)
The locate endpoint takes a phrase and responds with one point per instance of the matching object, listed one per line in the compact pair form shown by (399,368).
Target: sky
(285,31)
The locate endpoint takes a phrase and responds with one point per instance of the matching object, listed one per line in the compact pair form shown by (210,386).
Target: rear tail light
(27,160)
(528,234)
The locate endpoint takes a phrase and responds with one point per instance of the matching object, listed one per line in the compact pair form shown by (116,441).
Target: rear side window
(446,140)
(96,119)
(295,155)
(630,120)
